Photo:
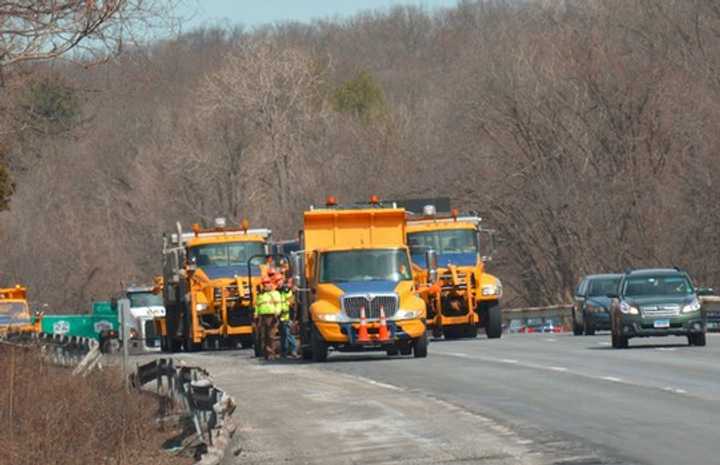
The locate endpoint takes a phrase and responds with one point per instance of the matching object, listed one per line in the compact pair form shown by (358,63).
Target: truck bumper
(346,333)
(470,319)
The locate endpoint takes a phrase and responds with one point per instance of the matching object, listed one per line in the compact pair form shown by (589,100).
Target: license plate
(662,323)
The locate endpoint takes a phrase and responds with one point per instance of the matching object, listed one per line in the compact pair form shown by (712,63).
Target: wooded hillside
(586,133)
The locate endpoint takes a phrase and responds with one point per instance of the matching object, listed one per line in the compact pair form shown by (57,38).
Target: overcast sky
(256,12)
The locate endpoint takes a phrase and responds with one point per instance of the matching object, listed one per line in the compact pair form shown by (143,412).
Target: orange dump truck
(14,311)
(355,289)
(209,284)
(448,260)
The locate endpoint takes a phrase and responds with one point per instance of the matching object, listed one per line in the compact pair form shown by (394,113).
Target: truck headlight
(200,307)
(332,317)
(628,309)
(492,289)
(693,306)
(405,315)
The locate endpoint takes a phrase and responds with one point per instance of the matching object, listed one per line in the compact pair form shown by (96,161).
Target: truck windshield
(602,287)
(145,299)
(364,265)
(226,254)
(13,309)
(444,242)
(673,285)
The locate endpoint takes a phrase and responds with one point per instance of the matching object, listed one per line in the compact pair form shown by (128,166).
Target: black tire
(471,331)
(307,353)
(577,329)
(698,339)
(451,332)
(420,347)
(406,351)
(319,347)
(493,329)
(245,344)
(588,327)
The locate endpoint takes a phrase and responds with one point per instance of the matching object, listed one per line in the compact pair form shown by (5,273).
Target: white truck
(145,306)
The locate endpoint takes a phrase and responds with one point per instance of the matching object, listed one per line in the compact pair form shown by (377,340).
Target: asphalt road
(657,402)
(535,399)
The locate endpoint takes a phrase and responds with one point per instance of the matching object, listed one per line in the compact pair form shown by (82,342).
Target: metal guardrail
(82,353)
(209,407)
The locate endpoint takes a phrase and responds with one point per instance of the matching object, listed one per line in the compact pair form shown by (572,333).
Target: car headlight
(200,307)
(492,289)
(405,315)
(693,306)
(332,317)
(628,309)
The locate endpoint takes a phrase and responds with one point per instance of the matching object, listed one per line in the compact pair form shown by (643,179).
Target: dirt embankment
(49,417)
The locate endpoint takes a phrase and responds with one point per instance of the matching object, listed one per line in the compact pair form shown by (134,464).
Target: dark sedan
(591,310)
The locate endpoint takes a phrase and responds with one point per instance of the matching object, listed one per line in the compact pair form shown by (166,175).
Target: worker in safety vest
(288,345)
(267,310)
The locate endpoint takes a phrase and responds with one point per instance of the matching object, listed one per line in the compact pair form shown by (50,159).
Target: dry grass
(49,417)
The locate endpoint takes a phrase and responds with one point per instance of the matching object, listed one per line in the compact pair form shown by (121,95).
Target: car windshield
(602,287)
(145,299)
(442,242)
(364,265)
(13,309)
(671,285)
(226,254)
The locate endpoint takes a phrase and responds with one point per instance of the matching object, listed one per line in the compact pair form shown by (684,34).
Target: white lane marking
(551,340)
(566,371)
(606,344)
(675,390)
(458,354)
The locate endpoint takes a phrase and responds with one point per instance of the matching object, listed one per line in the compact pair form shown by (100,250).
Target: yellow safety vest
(268,303)
(285,305)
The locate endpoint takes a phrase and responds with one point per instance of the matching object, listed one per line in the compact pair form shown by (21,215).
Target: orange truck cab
(355,289)
(449,268)
(14,311)
(209,284)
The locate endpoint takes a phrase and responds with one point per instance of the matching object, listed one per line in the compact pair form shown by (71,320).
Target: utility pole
(123,309)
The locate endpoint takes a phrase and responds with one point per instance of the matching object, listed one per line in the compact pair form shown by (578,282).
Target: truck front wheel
(319,347)
(420,348)
(492,315)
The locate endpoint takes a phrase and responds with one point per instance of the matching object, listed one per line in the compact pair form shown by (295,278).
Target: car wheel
(420,348)
(588,328)
(698,339)
(577,329)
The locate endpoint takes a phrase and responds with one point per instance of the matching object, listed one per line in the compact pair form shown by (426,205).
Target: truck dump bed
(354,228)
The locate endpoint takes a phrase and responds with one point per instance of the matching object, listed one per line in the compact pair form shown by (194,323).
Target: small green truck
(101,324)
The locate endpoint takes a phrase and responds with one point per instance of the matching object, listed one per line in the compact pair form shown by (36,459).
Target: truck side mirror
(488,256)
(298,268)
(431,260)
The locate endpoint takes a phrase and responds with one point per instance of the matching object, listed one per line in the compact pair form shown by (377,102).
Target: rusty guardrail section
(209,407)
(82,353)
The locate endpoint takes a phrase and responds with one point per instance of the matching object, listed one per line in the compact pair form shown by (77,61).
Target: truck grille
(353,303)
(655,311)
